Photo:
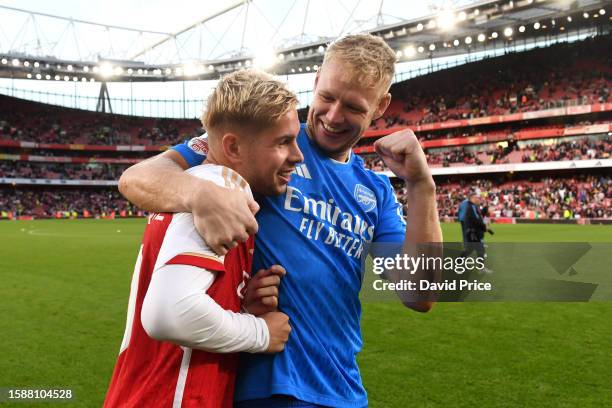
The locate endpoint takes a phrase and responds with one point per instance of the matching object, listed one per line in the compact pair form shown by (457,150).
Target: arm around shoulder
(158,184)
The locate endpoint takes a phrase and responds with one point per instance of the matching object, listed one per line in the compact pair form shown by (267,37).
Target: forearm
(422,222)
(423,236)
(177,309)
(160,184)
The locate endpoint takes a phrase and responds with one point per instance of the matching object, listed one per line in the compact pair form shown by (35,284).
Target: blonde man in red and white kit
(184,325)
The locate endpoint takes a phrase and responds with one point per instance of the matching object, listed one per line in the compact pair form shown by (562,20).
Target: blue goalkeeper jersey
(317,230)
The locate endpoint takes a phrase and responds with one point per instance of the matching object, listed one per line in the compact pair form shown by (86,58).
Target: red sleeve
(199,261)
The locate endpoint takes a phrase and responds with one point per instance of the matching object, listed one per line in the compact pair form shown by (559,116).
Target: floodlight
(409,51)
(536,25)
(508,31)
(432,47)
(106,70)
(190,69)
(264,58)
(521,29)
(446,20)
(468,40)
(481,37)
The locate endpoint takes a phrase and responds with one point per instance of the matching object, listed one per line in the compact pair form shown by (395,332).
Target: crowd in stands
(553,198)
(510,152)
(574,150)
(518,82)
(36,122)
(63,171)
(48,203)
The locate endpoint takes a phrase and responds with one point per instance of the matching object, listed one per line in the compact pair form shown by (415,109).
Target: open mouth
(285,175)
(332,131)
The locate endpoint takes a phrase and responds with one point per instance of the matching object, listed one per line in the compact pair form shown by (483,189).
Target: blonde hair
(370,60)
(247,99)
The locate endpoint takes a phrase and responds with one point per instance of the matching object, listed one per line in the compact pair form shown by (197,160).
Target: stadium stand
(517,82)
(543,107)
(585,196)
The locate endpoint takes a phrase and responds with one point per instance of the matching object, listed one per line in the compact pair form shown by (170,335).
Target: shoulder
(220,175)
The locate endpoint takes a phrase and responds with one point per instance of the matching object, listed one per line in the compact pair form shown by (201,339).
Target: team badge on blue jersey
(199,145)
(365,197)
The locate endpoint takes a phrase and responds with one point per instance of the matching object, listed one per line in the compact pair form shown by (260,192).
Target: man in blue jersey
(318,229)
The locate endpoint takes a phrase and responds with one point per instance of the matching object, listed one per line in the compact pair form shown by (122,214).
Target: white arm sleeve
(176,308)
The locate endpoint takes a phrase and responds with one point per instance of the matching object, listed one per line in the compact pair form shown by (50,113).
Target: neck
(341,157)
(213,158)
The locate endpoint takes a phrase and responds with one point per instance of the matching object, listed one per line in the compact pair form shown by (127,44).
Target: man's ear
(316,79)
(383,104)
(231,147)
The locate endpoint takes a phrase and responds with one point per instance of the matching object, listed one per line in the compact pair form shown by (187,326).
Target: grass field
(65,287)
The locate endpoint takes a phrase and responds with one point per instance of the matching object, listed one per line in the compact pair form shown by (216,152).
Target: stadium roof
(125,41)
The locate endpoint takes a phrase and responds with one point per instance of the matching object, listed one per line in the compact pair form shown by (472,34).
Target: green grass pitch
(65,287)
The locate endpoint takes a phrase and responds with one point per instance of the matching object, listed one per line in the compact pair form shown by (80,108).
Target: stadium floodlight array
(445,33)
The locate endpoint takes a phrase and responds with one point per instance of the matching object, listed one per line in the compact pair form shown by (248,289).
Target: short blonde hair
(370,59)
(247,99)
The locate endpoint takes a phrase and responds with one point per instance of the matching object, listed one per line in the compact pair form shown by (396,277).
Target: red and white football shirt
(151,373)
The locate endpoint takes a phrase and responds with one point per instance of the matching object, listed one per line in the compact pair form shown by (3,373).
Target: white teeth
(331,129)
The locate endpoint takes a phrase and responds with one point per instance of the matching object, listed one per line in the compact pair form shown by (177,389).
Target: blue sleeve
(462,209)
(193,151)
(391,225)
